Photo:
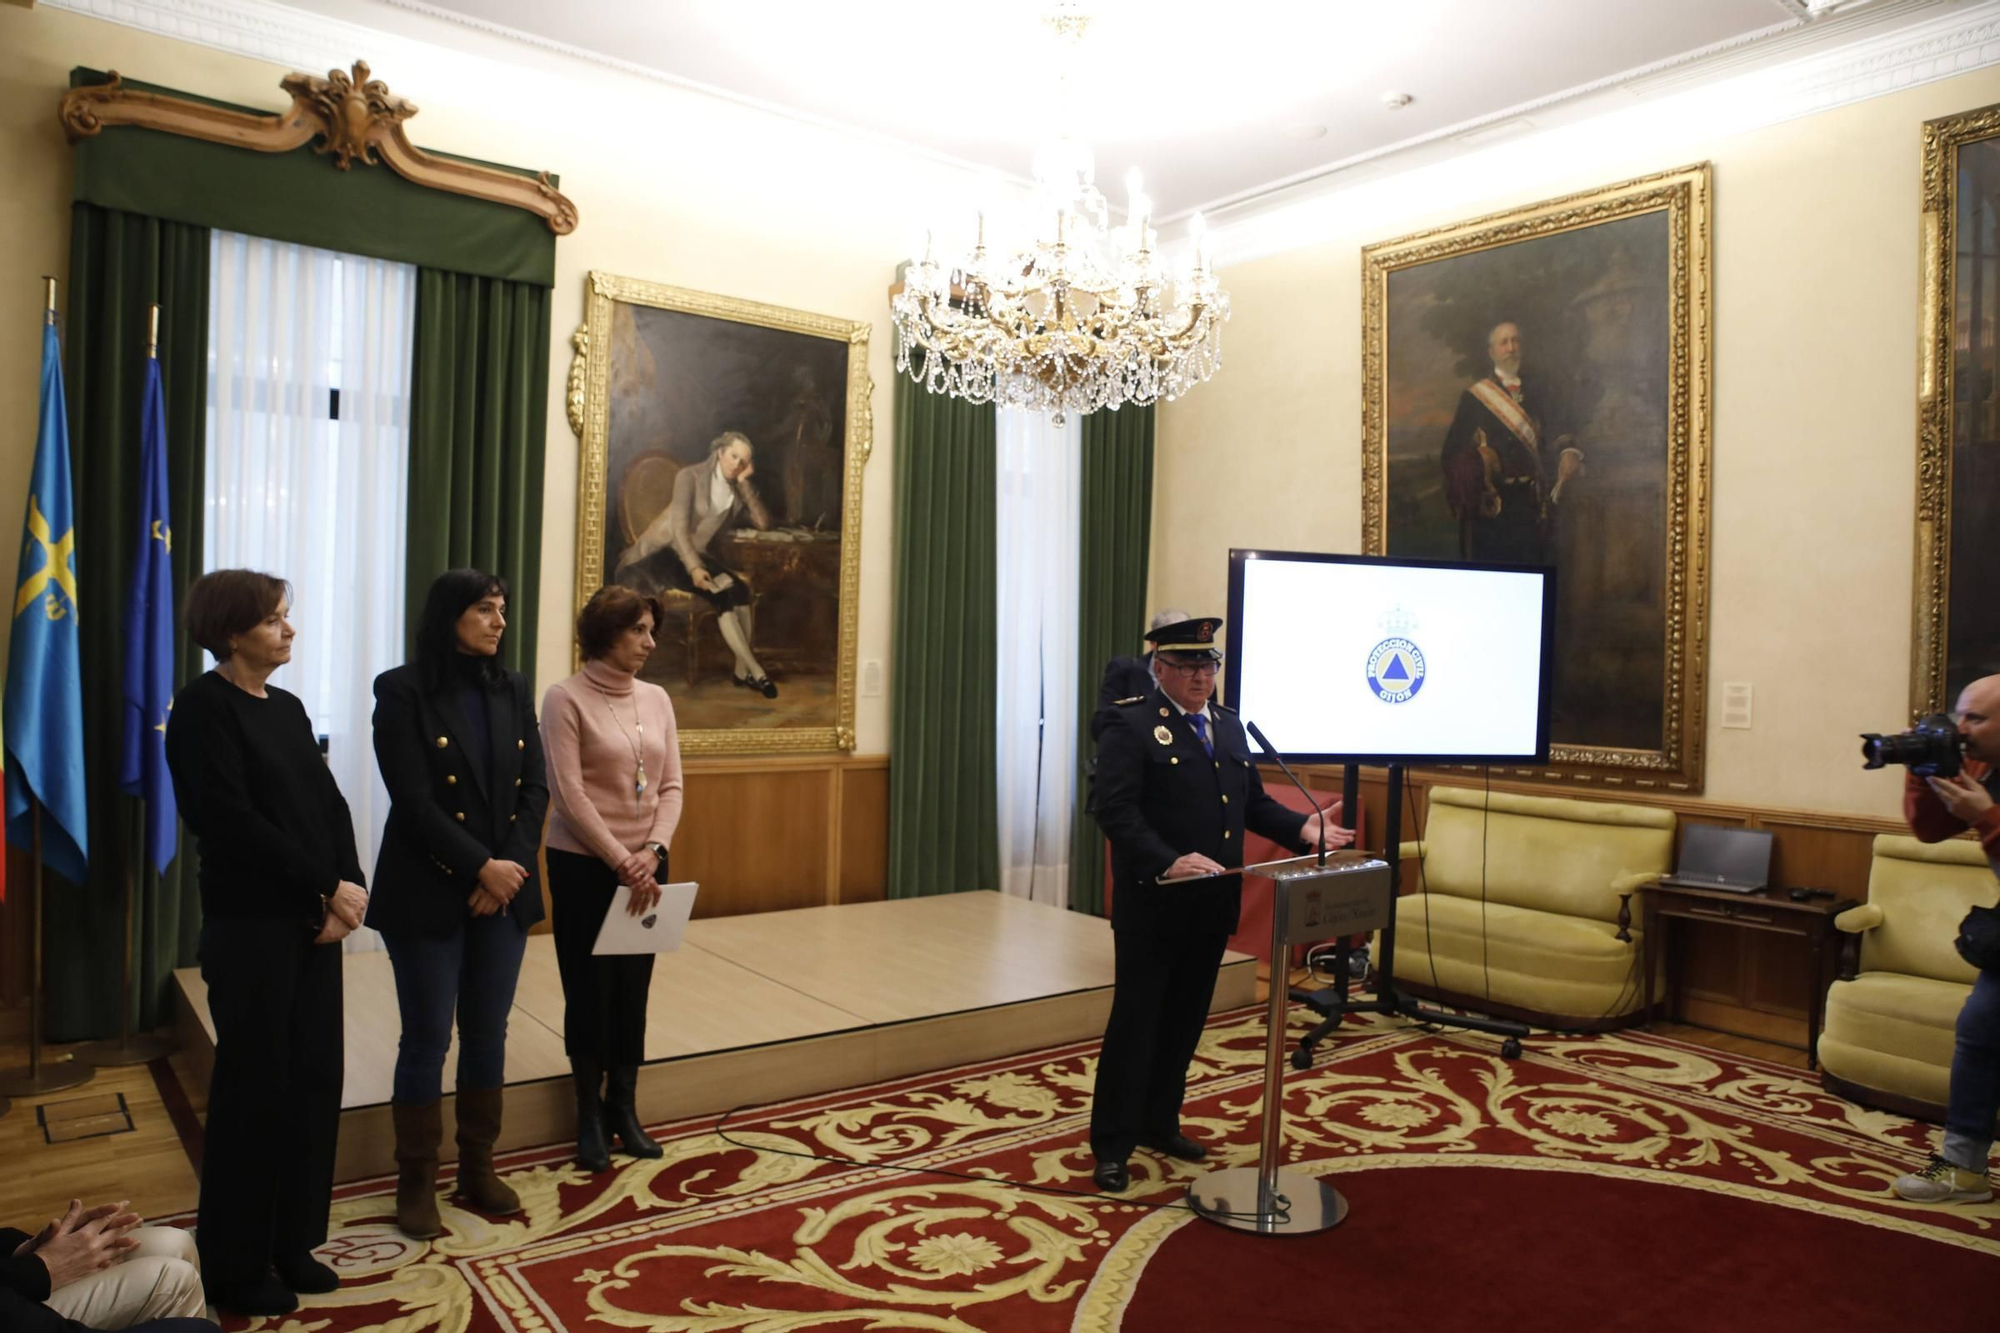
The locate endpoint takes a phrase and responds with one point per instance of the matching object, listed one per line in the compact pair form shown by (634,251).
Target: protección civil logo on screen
(1396,670)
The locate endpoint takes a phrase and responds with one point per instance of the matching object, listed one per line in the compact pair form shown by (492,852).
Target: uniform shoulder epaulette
(1120,703)
(1221,708)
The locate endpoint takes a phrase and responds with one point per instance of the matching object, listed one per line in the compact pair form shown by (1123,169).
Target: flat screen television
(1372,660)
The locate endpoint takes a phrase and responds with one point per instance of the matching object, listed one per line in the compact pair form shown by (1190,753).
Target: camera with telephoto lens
(1931,749)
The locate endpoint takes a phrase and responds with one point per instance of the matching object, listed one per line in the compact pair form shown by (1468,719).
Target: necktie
(1201,732)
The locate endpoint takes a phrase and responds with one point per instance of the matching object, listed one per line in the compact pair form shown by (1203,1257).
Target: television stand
(1333,1004)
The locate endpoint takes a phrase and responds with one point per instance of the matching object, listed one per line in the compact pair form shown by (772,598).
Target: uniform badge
(1164,713)
(1163,736)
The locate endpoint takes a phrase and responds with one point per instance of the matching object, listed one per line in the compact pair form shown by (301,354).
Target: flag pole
(63,1072)
(130,1049)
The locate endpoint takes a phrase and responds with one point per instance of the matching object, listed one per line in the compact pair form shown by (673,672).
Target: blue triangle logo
(1395,670)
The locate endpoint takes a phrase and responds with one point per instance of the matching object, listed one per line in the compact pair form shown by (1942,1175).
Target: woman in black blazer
(455,889)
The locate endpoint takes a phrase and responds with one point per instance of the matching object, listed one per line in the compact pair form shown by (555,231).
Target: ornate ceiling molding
(348,117)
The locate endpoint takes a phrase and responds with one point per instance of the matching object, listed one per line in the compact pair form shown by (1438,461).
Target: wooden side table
(1771,910)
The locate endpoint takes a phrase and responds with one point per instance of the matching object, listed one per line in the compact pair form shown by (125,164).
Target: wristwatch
(659,851)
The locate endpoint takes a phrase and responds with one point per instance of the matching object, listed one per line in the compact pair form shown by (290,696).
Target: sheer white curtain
(1040,469)
(309,357)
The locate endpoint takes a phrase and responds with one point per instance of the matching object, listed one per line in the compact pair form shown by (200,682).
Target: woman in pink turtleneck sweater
(614,767)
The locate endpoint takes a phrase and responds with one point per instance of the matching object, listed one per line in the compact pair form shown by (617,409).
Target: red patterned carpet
(1598,1183)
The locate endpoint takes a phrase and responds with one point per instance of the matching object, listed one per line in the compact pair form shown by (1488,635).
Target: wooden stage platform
(760,1008)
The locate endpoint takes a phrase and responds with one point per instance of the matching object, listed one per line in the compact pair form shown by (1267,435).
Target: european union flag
(149,637)
(44,709)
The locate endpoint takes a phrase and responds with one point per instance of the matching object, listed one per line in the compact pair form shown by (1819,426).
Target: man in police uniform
(1175,788)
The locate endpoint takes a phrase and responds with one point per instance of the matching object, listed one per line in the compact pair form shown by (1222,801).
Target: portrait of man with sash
(1498,355)
(1495,482)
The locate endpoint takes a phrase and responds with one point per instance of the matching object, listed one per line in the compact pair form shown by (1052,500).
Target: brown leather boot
(478,1130)
(418,1131)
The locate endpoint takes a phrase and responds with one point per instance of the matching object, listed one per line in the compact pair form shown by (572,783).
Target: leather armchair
(1890,1019)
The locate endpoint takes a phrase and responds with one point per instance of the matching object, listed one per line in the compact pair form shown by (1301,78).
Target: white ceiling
(1215,100)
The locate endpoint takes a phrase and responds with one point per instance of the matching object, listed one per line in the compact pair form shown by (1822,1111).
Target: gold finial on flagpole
(50,315)
(153,333)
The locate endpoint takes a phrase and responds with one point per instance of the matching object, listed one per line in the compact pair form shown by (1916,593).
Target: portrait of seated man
(677,549)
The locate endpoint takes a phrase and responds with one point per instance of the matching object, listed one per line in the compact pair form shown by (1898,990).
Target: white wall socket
(1736,695)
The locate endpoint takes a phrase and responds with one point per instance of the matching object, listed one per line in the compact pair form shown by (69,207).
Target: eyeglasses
(1198,669)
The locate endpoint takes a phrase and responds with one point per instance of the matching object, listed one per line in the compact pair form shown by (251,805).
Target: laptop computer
(1737,860)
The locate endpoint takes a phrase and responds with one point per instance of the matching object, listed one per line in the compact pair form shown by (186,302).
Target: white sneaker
(1944,1182)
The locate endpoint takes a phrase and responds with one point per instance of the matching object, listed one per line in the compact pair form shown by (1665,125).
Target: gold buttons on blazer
(512,818)
(517,782)
(520,745)
(1225,835)
(461,816)
(451,779)
(1225,798)
(1175,760)
(442,742)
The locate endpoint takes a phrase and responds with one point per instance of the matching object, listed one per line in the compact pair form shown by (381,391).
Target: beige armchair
(1555,931)
(1890,1020)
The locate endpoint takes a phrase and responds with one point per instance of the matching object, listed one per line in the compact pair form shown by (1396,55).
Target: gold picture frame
(659,371)
(1956,414)
(1620,277)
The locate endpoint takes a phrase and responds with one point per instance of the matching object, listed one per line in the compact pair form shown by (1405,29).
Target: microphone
(1257,734)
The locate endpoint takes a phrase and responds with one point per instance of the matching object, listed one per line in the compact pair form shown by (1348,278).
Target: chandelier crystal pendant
(1078,316)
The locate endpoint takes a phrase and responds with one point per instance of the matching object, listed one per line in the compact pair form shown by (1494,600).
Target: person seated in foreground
(97,1268)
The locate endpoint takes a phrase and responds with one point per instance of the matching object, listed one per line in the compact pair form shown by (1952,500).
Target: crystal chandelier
(1077,316)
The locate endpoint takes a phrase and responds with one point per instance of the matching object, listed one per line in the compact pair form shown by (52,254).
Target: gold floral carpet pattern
(748,1233)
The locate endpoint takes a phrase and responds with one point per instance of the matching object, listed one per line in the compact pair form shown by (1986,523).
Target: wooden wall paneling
(755,834)
(864,831)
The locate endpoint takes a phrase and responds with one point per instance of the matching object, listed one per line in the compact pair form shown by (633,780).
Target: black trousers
(274,1097)
(604,996)
(1165,980)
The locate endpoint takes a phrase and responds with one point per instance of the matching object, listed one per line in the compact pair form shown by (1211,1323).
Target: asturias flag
(44,708)
(149,637)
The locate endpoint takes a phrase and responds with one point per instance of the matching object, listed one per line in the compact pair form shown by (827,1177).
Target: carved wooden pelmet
(348,117)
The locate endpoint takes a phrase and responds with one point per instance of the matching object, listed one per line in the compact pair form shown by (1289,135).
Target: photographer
(1937,808)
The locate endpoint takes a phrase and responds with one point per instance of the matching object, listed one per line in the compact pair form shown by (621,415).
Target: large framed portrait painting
(722,448)
(1956,635)
(1537,392)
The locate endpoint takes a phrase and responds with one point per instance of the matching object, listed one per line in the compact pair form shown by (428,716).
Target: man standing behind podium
(1175,788)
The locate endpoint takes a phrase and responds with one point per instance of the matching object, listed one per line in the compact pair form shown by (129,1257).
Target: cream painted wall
(671,186)
(1815,338)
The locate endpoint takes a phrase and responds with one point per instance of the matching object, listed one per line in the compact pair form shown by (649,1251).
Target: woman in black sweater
(455,888)
(281,886)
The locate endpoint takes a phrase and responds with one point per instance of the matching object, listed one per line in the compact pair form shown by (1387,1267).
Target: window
(1040,466)
(308,451)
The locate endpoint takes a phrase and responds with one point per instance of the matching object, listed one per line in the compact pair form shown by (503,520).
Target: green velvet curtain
(478,431)
(120,264)
(944,834)
(1116,508)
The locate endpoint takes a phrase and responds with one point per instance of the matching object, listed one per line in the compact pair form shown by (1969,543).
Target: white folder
(658,931)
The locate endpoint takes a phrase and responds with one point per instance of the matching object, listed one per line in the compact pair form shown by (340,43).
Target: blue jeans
(474,968)
(1975,1077)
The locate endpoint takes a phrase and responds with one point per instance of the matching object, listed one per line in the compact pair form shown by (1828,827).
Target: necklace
(638,746)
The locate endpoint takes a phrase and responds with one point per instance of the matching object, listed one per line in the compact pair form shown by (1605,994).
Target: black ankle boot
(592,1152)
(621,1116)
